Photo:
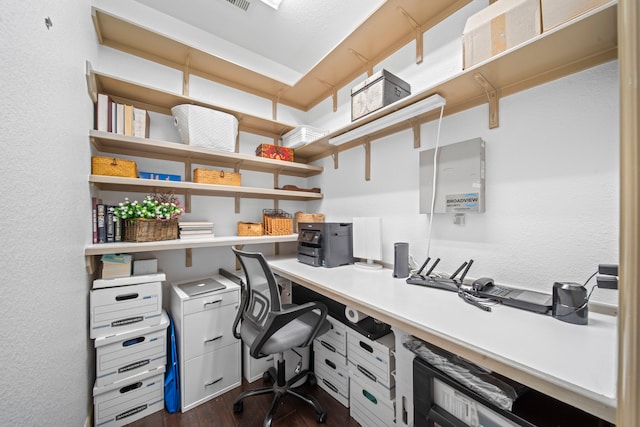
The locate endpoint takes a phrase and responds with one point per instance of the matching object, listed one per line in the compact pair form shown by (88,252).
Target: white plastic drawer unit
(122,308)
(368,408)
(372,362)
(127,401)
(129,353)
(335,339)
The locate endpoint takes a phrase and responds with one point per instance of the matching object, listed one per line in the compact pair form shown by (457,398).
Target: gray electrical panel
(460,174)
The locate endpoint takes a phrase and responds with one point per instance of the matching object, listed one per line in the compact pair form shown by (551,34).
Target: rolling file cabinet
(208,353)
(129,329)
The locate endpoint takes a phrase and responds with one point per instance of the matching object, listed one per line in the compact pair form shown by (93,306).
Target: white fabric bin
(203,127)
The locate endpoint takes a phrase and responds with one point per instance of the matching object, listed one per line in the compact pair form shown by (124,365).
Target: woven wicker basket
(149,230)
(112,166)
(307,217)
(277,222)
(211,176)
(250,229)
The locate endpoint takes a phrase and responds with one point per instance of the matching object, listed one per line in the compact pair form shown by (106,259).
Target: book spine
(110,225)
(118,229)
(102,231)
(94,218)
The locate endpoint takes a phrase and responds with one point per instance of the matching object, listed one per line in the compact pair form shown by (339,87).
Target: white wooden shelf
(143,147)
(191,243)
(141,185)
(589,40)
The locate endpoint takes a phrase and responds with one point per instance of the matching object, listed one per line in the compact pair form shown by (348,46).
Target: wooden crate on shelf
(250,229)
(212,176)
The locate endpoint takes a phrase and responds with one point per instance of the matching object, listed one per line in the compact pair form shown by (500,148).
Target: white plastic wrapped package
(204,127)
(499,390)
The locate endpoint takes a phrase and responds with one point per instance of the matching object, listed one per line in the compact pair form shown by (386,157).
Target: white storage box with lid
(122,308)
(372,362)
(331,372)
(129,353)
(302,135)
(335,339)
(203,127)
(123,402)
(369,408)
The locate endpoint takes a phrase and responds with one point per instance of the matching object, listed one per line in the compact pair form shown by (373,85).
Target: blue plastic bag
(171,376)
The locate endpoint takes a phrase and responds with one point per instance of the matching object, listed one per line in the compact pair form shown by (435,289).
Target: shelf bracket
(492,97)
(91,264)
(237,204)
(365,61)
(188,257)
(417,33)
(187,201)
(334,93)
(185,77)
(276,176)
(274,105)
(367,159)
(334,155)
(415,125)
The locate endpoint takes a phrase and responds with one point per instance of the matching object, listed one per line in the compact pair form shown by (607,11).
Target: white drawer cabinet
(209,355)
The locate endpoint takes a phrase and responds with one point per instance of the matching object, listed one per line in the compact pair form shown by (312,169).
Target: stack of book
(124,119)
(106,228)
(116,265)
(195,229)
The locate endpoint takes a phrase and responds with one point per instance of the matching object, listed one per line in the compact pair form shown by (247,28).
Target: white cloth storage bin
(204,127)
(129,353)
(123,402)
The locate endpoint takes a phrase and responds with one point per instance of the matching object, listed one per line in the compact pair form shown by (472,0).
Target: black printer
(326,244)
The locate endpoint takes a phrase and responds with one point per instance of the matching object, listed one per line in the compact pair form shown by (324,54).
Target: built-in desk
(572,363)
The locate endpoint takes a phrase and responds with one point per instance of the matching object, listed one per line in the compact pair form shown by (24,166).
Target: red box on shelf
(277,152)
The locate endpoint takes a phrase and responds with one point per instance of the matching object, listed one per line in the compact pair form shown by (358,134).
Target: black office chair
(268,327)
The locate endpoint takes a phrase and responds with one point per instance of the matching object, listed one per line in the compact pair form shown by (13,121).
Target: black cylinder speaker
(570,303)
(401,260)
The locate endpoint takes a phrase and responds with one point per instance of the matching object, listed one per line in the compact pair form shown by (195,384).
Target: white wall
(46,356)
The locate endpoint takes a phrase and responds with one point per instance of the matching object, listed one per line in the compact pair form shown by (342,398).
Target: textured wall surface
(45,355)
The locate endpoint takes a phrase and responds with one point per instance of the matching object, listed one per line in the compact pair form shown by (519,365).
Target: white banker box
(123,402)
(129,353)
(122,308)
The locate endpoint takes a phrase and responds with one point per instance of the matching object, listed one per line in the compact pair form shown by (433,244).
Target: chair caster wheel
(311,378)
(266,377)
(238,407)
(321,418)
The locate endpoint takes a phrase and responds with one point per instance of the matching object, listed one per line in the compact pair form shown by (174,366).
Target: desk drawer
(211,301)
(207,331)
(211,374)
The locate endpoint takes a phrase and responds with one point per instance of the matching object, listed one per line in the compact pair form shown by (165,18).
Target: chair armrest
(276,320)
(244,297)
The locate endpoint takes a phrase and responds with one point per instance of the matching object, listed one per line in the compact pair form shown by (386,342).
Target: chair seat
(294,334)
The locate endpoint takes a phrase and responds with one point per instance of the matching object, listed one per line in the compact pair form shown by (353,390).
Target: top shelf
(582,43)
(402,22)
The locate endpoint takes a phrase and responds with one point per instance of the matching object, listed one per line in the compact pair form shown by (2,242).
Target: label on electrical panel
(464,202)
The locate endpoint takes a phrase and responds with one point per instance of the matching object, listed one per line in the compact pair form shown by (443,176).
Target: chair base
(280,389)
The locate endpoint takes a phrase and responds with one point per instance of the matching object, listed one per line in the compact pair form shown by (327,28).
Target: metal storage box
(204,127)
(379,90)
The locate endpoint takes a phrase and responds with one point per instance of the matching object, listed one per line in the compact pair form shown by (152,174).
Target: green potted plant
(153,219)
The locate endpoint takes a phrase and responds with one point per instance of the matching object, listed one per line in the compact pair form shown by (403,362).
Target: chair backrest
(263,294)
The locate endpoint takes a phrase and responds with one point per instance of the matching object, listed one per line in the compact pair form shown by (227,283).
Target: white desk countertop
(573,363)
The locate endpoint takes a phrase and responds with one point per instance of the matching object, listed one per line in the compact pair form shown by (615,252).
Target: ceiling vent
(242,4)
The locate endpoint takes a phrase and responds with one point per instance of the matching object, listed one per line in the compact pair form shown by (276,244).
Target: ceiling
(297,35)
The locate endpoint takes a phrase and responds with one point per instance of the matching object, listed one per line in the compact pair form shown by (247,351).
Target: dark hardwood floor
(292,412)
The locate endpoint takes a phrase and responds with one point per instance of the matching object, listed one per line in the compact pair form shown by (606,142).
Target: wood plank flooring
(292,412)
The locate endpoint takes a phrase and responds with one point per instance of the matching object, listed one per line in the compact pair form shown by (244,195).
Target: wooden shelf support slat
(492,97)
(334,155)
(415,125)
(188,257)
(237,204)
(366,63)
(417,33)
(185,76)
(274,105)
(334,93)
(367,159)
